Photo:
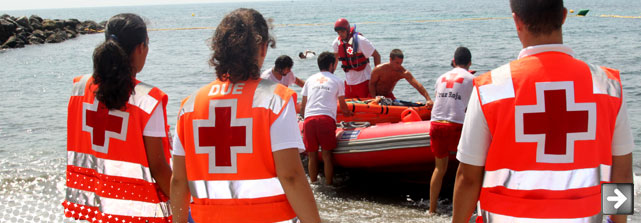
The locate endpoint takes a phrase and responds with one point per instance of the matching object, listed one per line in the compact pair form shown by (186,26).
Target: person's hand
(429,104)
(347,113)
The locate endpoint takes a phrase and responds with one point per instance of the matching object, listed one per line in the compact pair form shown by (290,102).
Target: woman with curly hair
(117,147)
(237,140)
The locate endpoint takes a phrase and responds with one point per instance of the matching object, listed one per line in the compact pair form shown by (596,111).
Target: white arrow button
(620,198)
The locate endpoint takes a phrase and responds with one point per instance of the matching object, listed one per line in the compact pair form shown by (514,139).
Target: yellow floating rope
(620,16)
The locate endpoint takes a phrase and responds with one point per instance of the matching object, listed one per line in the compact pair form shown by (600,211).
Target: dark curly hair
(112,70)
(236,45)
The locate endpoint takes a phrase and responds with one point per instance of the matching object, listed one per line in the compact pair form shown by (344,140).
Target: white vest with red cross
(225,131)
(108,176)
(552,119)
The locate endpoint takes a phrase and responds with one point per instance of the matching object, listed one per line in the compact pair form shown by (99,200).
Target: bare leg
(440,166)
(312,166)
(329,167)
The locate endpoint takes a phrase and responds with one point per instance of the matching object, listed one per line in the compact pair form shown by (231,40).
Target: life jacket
(348,53)
(108,175)
(225,131)
(553,153)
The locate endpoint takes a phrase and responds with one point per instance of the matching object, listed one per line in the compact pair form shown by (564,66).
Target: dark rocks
(60,24)
(57,37)
(24,22)
(13,42)
(33,18)
(39,34)
(6,30)
(8,25)
(91,26)
(71,33)
(17,32)
(33,39)
(48,24)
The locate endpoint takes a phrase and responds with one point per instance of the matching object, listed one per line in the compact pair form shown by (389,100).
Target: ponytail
(112,68)
(113,74)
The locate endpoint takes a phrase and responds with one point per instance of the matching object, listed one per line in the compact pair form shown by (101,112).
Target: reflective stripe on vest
(500,88)
(110,167)
(235,189)
(274,102)
(547,179)
(142,99)
(79,87)
(489,217)
(118,206)
(603,84)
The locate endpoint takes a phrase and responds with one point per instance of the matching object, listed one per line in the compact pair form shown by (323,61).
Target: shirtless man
(385,76)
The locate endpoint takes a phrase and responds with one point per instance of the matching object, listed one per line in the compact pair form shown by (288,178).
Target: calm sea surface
(35,82)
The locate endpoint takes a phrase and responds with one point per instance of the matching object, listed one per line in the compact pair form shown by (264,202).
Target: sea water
(35,82)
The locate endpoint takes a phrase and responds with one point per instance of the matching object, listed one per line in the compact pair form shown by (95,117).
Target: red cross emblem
(223,136)
(322,80)
(555,122)
(451,80)
(350,50)
(103,124)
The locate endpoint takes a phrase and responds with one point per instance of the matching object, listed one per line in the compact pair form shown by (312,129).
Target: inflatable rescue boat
(376,111)
(385,146)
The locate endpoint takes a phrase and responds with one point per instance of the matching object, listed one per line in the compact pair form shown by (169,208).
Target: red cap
(341,23)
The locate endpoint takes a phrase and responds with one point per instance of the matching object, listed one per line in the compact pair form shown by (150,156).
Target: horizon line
(5,11)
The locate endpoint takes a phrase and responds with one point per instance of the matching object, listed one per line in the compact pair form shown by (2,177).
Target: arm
(621,172)
(410,78)
(344,109)
(159,168)
(469,179)
(373,81)
(377,58)
(300,82)
(292,176)
(302,106)
(179,191)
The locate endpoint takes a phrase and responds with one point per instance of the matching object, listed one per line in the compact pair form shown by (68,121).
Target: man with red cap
(353,51)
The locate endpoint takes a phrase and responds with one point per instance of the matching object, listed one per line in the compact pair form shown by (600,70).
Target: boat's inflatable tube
(384,145)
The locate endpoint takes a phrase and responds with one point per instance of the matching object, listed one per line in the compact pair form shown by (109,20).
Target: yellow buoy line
(620,16)
(395,22)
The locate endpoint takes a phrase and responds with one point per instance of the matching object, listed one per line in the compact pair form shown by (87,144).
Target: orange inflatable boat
(370,110)
(386,147)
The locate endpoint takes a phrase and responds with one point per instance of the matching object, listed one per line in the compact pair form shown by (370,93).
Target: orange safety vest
(225,131)
(553,152)
(348,53)
(108,176)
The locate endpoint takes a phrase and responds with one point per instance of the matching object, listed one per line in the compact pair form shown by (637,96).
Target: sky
(50,4)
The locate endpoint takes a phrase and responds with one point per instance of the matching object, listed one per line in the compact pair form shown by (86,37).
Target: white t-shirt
(453,91)
(476,137)
(156,125)
(322,91)
(286,80)
(284,133)
(353,77)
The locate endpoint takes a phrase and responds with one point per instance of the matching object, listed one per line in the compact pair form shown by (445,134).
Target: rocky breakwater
(18,32)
